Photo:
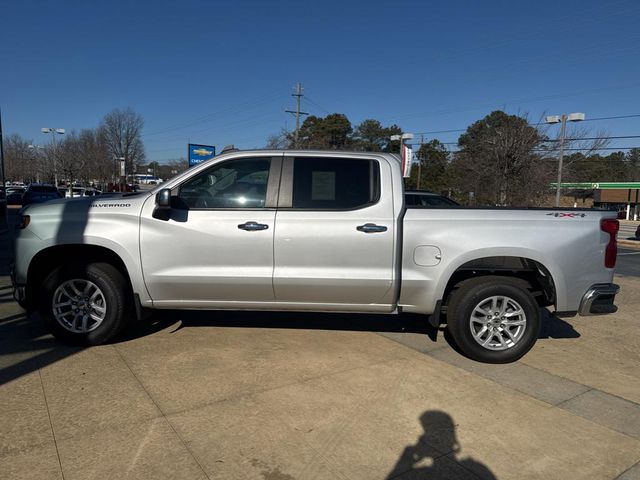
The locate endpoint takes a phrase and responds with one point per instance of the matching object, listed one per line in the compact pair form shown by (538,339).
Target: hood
(110,202)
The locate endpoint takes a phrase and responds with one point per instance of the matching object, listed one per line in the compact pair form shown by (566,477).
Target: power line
(597,138)
(455,130)
(542,149)
(603,148)
(611,118)
(214,115)
(315,104)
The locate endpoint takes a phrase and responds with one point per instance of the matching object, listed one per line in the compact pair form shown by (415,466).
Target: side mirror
(163,199)
(163,205)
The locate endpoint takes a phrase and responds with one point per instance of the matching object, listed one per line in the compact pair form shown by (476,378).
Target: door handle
(253,226)
(371,228)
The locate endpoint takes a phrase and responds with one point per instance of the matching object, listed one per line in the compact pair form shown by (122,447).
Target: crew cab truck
(311,231)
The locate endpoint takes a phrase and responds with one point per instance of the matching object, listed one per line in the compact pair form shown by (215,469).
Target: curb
(633,244)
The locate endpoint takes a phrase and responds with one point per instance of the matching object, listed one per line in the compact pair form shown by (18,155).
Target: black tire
(114,289)
(472,292)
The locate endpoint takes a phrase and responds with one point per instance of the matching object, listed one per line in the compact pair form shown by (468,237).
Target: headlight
(23,222)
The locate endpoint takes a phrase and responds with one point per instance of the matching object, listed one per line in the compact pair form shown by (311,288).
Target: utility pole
(563,131)
(4,210)
(1,153)
(297,112)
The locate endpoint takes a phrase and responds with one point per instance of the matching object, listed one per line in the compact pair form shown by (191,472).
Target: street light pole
(53,132)
(562,119)
(121,167)
(36,149)
(563,130)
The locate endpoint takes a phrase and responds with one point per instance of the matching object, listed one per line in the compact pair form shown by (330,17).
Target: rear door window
(334,183)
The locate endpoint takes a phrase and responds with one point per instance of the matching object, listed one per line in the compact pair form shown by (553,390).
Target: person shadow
(435,455)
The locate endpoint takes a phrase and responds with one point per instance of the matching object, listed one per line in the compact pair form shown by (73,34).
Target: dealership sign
(200,153)
(407,160)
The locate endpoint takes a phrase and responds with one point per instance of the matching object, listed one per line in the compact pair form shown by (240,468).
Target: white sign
(122,171)
(323,185)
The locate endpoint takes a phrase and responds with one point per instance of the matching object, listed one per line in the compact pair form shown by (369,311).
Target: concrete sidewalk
(305,396)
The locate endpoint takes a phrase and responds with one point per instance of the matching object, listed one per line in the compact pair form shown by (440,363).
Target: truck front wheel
(84,304)
(493,319)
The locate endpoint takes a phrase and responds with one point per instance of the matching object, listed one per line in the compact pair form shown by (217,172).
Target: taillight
(610,226)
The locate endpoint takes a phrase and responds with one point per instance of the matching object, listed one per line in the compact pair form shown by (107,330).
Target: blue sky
(220,72)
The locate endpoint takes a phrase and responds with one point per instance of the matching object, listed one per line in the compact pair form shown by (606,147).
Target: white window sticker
(323,185)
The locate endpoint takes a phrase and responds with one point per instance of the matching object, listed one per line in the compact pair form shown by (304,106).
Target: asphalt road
(628,262)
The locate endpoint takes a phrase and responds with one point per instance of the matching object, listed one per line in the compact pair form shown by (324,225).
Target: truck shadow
(26,346)
(552,326)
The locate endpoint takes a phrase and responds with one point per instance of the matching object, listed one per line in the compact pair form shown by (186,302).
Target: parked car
(77,192)
(14,195)
(92,192)
(38,193)
(422,198)
(311,231)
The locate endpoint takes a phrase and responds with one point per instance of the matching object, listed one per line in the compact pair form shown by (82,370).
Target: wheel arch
(533,274)
(57,255)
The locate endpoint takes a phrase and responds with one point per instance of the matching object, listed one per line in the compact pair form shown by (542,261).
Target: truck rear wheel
(493,319)
(84,304)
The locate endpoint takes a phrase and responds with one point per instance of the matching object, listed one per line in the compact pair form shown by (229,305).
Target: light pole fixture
(120,169)
(572,117)
(54,132)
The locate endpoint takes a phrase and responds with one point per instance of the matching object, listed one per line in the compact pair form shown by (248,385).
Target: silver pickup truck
(311,231)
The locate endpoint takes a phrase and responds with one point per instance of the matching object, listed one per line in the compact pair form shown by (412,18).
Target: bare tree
(71,158)
(170,168)
(21,162)
(279,141)
(99,164)
(121,132)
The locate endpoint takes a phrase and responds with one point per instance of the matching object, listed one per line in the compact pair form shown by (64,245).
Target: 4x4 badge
(567,215)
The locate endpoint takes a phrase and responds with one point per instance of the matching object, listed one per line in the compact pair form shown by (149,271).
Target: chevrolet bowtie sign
(200,153)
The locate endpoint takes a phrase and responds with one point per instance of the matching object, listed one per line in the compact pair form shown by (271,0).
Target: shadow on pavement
(555,327)
(435,454)
(25,347)
(552,326)
(163,319)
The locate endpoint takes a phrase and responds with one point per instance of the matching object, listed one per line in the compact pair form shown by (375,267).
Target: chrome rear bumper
(598,300)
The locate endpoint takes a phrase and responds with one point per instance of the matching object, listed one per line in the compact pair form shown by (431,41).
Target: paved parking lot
(307,396)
